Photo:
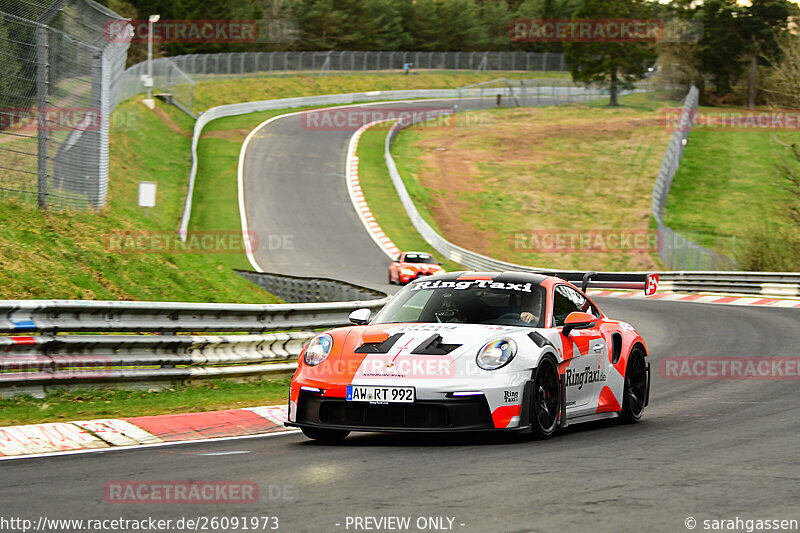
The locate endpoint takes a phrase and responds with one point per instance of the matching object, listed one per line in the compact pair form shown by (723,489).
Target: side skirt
(593,417)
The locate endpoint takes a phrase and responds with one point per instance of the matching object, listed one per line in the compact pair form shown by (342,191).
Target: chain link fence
(268,63)
(175,77)
(503,92)
(678,252)
(59,83)
(168,80)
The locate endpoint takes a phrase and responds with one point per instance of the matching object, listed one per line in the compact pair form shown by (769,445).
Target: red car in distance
(411,265)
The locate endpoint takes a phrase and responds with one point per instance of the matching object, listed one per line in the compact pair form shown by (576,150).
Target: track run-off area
(707,449)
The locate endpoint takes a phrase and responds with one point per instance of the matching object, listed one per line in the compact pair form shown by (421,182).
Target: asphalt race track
(708,449)
(703,449)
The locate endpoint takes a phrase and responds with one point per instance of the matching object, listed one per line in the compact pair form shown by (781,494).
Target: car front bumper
(470,413)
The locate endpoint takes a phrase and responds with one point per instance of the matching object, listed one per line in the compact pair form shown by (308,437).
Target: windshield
(420,258)
(467,302)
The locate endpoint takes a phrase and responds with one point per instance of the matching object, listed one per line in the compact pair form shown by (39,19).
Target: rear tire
(545,400)
(328,436)
(634,394)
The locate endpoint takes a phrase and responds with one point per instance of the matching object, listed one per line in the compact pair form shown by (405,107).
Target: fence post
(95,180)
(42,68)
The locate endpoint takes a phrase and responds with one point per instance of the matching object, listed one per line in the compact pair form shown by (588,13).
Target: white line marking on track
(214,454)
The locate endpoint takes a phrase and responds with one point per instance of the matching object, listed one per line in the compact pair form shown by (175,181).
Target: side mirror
(360,317)
(578,320)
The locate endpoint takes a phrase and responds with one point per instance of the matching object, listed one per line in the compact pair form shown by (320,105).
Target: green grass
(648,101)
(511,172)
(244,89)
(70,405)
(382,197)
(70,254)
(726,185)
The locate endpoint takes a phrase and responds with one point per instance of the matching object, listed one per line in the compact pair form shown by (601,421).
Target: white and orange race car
(411,265)
(471,351)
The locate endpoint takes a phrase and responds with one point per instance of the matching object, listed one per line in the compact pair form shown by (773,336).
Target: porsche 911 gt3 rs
(472,351)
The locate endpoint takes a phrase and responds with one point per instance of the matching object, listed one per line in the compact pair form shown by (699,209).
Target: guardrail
(775,284)
(308,290)
(768,284)
(32,363)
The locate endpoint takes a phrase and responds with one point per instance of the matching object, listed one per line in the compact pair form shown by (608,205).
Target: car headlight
(407,271)
(318,349)
(496,354)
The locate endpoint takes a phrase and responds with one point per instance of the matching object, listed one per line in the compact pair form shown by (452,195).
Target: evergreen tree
(618,64)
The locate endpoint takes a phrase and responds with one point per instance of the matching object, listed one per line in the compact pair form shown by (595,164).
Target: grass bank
(728,185)
(218,91)
(91,255)
(507,182)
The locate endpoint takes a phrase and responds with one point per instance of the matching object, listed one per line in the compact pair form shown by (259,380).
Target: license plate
(376,394)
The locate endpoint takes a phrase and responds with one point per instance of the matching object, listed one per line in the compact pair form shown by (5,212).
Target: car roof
(505,277)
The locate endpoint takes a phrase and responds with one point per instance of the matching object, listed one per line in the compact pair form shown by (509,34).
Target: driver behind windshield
(488,307)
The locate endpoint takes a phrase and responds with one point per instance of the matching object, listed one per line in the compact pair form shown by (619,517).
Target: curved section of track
(294,191)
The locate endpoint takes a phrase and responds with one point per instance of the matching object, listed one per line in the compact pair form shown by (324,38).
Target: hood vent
(433,346)
(379,347)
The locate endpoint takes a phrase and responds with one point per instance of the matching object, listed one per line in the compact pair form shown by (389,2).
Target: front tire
(328,436)
(545,400)
(634,396)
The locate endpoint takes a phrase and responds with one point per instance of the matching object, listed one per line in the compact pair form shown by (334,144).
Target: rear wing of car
(611,280)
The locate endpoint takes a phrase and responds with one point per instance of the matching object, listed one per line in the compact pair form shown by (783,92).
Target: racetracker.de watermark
(618,30)
(690,368)
(182,31)
(676,118)
(353,118)
(181,492)
(587,30)
(587,241)
(50,118)
(21,366)
(196,242)
(391,366)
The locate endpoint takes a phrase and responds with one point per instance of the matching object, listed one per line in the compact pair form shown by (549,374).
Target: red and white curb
(357,196)
(36,439)
(701,298)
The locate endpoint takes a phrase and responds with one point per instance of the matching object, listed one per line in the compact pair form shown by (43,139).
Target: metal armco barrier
(305,290)
(770,284)
(32,363)
(54,316)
